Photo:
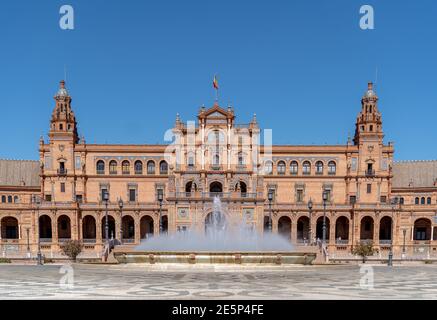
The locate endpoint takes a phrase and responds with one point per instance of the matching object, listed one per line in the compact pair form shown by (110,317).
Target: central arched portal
(214,222)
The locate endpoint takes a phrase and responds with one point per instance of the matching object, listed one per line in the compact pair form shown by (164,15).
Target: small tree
(72,248)
(364,250)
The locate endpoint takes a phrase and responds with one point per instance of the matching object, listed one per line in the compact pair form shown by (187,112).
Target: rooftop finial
(370,86)
(62,92)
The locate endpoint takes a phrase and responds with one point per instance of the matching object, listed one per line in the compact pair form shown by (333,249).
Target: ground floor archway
(111,228)
(366,228)
(342,228)
(64,227)
(319,228)
(89,228)
(284,227)
(9,228)
(422,229)
(45,227)
(146,227)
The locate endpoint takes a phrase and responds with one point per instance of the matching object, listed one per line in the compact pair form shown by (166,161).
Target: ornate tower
(369,122)
(63,122)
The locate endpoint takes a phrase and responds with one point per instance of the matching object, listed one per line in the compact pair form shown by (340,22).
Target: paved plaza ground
(135,281)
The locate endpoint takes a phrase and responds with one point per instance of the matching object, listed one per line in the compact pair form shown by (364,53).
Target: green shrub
(5,260)
(364,250)
(72,248)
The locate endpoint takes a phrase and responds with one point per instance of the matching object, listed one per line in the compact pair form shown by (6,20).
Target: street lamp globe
(310,204)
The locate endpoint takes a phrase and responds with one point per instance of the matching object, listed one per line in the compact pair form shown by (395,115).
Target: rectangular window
(299,195)
(352,199)
(79,198)
(48,197)
(369,188)
(102,192)
(132,195)
(77,162)
(62,187)
(383,199)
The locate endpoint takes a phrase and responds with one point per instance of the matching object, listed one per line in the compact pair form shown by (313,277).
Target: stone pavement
(134,281)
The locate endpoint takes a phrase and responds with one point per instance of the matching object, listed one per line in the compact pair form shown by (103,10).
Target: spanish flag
(215,83)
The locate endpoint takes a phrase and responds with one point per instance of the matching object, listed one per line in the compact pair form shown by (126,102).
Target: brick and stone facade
(368,195)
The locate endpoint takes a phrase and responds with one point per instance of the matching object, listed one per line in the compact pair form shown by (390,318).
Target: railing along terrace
(207,195)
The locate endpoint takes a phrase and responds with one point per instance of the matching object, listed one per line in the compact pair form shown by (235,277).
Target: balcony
(370,173)
(216,167)
(62,172)
(384,242)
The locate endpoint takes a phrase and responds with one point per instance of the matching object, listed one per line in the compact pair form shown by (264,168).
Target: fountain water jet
(221,242)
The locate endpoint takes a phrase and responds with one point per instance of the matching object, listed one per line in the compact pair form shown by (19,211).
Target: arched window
(138,167)
(306,167)
(125,167)
(191,159)
(240,159)
(3,198)
(281,167)
(100,167)
(113,167)
(151,167)
(422,200)
(319,167)
(294,167)
(416,201)
(16,199)
(163,167)
(10,199)
(268,167)
(332,167)
(216,160)
(428,200)
(401,200)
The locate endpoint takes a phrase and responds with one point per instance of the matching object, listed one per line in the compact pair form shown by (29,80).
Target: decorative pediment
(217,114)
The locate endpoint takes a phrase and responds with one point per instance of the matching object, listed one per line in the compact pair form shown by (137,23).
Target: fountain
(220,242)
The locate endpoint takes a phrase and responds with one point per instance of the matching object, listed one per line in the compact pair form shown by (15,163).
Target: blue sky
(301,66)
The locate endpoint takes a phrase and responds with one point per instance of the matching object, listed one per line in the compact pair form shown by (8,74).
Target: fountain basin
(125,255)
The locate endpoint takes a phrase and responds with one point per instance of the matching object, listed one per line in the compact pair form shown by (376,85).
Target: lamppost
(310,208)
(120,205)
(404,231)
(270,197)
(160,199)
(37,201)
(390,254)
(28,244)
(325,198)
(106,199)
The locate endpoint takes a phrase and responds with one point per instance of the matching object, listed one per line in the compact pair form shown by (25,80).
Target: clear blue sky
(301,66)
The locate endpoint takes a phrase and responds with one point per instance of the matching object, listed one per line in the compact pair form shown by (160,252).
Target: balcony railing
(62,172)
(130,240)
(342,241)
(384,242)
(45,240)
(89,240)
(213,194)
(370,173)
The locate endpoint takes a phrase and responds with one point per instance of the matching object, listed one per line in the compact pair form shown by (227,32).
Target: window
(216,160)
(100,167)
(268,167)
(319,167)
(62,187)
(353,199)
(191,160)
(61,127)
(3,198)
(79,198)
(48,197)
(240,158)
(163,167)
(332,167)
(125,167)
(299,195)
(371,128)
(428,200)
(369,188)
(416,201)
(383,199)
(150,167)
(16,199)
(10,199)
(102,192)
(281,167)
(294,167)
(422,200)
(138,167)
(401,200)
(113,167)
(370,169)
(306,166)
(62,168)
(328,194)
(77,162)
(132,195)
